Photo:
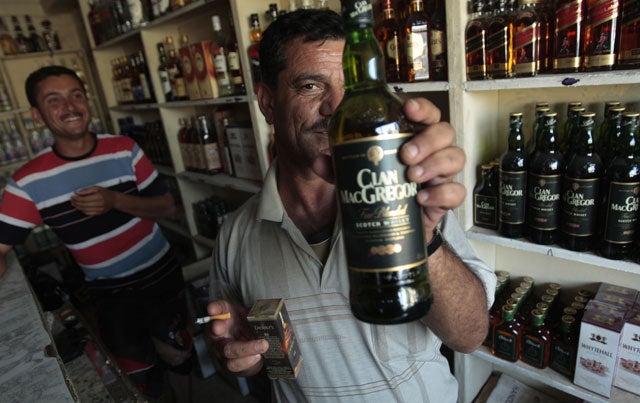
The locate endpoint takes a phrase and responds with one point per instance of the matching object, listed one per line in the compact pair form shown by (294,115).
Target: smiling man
(101,196)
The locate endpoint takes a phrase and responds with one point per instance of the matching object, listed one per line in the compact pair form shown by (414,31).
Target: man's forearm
(153,207)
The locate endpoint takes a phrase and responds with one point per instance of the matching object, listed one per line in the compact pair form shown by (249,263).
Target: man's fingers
(420,110)
(432,139)
(444,164)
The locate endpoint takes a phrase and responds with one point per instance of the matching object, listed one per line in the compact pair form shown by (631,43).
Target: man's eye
(309,86)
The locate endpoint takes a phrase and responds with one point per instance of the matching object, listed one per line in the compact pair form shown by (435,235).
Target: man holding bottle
(286,242)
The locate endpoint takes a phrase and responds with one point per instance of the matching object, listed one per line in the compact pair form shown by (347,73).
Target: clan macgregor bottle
(485,200)
(383,230)
(513,181)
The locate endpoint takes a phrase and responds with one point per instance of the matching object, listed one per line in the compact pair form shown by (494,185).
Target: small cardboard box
(270,321)
(205,70)
(189,71)
(598,349)
(243,152)
(607,289)
(628,366)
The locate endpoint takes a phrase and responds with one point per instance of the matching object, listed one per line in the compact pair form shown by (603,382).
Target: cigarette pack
(270,321)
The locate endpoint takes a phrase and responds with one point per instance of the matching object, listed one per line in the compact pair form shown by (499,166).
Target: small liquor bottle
(485,200)
(526,45)
(513,181)
(568,37)
(499,42)
(600,34)
(564,348)
(416,29)
(475,49)
(536,341)
(388,35)
(621,185)
(254,50)
(544,185)
(581,194)
(438,65)
(629,44)
(507,338)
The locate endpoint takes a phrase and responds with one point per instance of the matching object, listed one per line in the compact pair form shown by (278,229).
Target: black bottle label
(561,360)
(622,212)
(579,206)
(505,346)
(544,201)
(512,196)
(382,219)
(485,210)
(533,351)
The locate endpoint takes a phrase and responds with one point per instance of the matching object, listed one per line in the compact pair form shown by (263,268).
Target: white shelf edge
(421,86)
(616,77)
(489,236)
(222,180)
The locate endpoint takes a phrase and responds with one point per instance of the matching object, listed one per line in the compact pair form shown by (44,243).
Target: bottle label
(579,206)
(417,52)
(146,93)
(437,42)
(512,196)
(622,212)
(629,52)
(603,17)
(391,48)
(525,49)
(505,346)
(533,351)
(222,73)
(164,81)
(476,56)
(382,219)
(561,359)
(543,201)
(212,155)
(485,210)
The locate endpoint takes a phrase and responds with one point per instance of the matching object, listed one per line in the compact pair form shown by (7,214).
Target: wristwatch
(436,241)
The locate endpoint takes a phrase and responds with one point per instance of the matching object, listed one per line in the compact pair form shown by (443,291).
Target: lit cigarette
(207,319)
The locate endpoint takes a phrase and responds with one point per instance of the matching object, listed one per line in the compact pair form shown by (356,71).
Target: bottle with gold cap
(536,341)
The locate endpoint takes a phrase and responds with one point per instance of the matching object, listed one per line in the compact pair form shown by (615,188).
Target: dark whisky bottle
(611,131)
(536,342)
(581,190)
(568,37)
(526,42)
(605,121)
(388,34)
(572,130)
(621,186)
(564,347)
(629,44)
(513,181)
(386,254)
(536,132)
(475,37)
(485,200)
(439,67)
(507,337)
(499,42)
(601,32)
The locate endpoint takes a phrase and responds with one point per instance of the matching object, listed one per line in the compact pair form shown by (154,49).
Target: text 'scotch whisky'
(382,221)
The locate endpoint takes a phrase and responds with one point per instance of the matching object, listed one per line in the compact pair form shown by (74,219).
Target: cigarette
(207,319)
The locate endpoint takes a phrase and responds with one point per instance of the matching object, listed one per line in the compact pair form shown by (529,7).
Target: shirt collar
(270,206)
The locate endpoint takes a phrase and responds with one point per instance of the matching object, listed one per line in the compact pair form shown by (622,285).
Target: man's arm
(96,200)
(4,250)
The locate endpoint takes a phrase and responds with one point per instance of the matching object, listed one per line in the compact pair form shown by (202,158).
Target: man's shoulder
(43,161)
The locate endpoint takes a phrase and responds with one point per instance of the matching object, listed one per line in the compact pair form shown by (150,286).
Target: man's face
(63,107)
(309,90)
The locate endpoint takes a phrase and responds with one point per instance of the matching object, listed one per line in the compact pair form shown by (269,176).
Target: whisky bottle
(568,36)
(564,347)
(386,253)
(536,342)
(417,42)
(22,42)
(9,46)
(499,42)
(485,200)
(621,185)
(513,181)
(507,337)
(183,143)
(438,64)
(254,50)
(163,73)
(219,50)
(572,130)
(537,129)
(581,190)
(545,12)
(475,37)
(602,130)
(601,32)
(629,38)
(388,34)
(176,77)
(612,129)
(209,141)
(526,42)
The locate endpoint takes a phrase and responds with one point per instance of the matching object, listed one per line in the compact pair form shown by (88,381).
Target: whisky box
(628,367)
(598,349)
(270,321)
(189,71)
(205,70)
(627,293)
(242,146)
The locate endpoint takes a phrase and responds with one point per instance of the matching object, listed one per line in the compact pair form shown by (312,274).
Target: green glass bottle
(513,181)
(382,220)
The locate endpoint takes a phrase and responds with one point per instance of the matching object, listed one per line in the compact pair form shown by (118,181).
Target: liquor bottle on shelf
(572,130)
(254,50)
(22,42)
(209,141)
(544,185)
(600,39)
(38,44)
(416,29)
(546,23)
(536,131)
(197,151)
(360,124)
(35,138)
(608,139)
(438,63)
(145,80)
(388,34)
(569,35)
(485,200)
(513,181)
(629,38)
(602,129)
(536,342)
(163,73)
(272,13)
(499,42)
(176,77)
(475,37)
(50,36)
(183,143)
(9,46)
(581,190)
(621,185)
(507,337)
(139,13)
(16,138)
(219,49)
(526,42)
(235,69)
(564,347)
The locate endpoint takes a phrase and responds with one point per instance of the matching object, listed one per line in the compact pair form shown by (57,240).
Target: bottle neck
(362,60)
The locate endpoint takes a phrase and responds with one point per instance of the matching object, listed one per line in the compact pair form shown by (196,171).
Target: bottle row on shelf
(579,190)
(45,40)
(209,214)
(591,337)
(504,39)
(12,145)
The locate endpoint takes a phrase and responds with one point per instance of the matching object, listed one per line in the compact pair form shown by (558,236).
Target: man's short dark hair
(31,85)
(309,24)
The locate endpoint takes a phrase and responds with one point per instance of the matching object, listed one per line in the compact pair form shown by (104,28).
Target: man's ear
(35,114)
(265,101)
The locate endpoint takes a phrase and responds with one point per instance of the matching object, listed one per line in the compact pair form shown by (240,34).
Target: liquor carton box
(598,349)
(270,320)
(205,70)
(624,292)
(189,71)
(243,151)
(628,367)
